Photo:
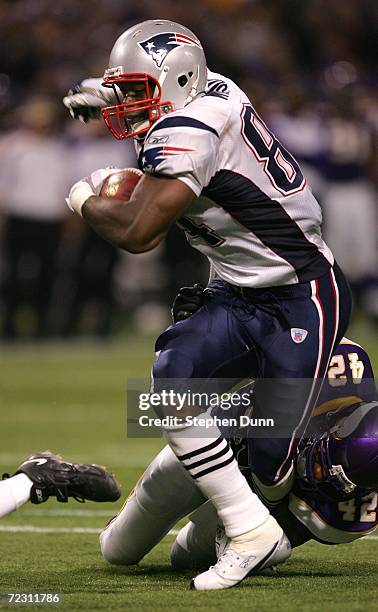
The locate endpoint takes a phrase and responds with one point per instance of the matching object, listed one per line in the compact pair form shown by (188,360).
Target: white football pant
(163,495)
(14,492)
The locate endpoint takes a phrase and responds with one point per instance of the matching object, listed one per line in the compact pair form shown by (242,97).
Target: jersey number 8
(281,168)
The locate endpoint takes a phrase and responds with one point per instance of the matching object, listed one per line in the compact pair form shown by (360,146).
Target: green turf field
(72,399)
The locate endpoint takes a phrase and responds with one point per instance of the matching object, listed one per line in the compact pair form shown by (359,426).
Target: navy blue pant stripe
(324,292)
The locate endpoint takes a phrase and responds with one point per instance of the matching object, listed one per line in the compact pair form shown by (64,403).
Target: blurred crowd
(308,67)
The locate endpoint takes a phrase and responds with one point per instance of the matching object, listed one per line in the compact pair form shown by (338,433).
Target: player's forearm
(136,225)
(115,222)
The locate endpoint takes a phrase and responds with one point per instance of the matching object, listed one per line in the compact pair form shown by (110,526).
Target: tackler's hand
(187,302)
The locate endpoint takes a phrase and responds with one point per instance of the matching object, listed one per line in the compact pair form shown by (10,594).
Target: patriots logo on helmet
(160,45)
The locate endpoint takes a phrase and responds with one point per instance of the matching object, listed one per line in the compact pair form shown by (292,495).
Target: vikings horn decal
(160,45)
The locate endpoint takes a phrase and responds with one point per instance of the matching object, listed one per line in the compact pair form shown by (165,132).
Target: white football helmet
(168,60)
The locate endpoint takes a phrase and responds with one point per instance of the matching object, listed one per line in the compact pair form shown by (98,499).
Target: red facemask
(121,117)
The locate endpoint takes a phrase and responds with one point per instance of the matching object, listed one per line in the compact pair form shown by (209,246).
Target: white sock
(211,463)
(258,538)
(14,492)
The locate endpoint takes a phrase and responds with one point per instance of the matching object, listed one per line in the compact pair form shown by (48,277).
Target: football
(121,184)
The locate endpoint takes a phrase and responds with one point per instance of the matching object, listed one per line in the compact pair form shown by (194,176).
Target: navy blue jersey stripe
(269,221)
(170,122)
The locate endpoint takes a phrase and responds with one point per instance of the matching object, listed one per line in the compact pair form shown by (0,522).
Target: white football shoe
(222,542)
(236,562)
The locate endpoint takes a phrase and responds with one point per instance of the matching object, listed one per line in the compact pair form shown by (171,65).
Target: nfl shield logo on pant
(298,334)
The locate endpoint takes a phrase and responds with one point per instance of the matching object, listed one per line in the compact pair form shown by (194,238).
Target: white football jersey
(255,217)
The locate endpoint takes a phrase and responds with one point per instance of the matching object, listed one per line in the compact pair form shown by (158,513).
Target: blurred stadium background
(309,68)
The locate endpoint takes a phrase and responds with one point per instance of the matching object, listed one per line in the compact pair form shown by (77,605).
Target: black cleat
(52,476)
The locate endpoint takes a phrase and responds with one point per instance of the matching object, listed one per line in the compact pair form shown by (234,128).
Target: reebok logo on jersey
(298,335)
(158,139)
(160,45)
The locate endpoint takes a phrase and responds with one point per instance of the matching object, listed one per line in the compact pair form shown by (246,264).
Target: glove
(86,99)
(187,302)
(87,187)
(79,194)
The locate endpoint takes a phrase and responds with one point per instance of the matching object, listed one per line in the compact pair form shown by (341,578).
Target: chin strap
(194,89)
(163,76)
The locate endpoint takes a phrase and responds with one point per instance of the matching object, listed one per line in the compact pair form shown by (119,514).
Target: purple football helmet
(347,453)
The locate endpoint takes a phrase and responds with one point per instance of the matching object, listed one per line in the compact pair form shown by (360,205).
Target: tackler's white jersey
(255,217)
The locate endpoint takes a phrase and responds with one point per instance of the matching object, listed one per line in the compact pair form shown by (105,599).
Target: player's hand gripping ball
(120,184)
(113,183)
